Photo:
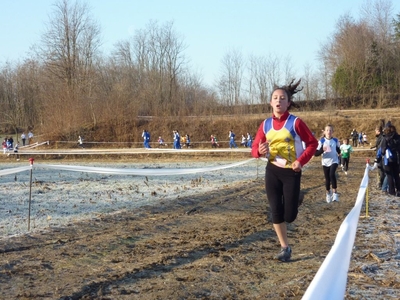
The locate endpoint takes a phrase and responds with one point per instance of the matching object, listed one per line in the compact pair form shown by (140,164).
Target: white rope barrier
(140,172)
(14,170)
(330,280)
(127,151)
(34,145)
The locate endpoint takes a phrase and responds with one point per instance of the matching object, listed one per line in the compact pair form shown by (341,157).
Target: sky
(209,28)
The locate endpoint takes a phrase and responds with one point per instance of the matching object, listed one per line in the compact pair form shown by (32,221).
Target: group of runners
(179,141)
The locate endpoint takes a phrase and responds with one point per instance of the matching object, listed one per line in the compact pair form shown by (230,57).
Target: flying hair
(290,90)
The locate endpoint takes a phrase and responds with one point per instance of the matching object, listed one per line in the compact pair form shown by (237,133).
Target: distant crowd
(9,145)
(185,141)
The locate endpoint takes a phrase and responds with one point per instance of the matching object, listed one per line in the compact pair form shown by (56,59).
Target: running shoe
(328,197)
(285,254)
(335,197)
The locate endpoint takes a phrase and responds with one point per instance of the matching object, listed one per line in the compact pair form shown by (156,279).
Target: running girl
(329,148)
(345,150)
(279,139)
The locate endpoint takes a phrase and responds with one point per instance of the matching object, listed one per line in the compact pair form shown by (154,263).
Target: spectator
(249,140)
(354,137)
(378,141)
(23,138)
(10,143)
(30,137)
(389,153)
(4,144)
(365,139)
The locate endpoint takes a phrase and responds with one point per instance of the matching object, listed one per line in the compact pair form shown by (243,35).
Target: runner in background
(244,141)
(329,149)
(345,151)
(231,137)
(80,142)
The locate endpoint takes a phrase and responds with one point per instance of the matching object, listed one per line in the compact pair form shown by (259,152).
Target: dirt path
(211,246)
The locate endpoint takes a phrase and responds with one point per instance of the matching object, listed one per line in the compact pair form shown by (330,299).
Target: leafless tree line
(67,84)
(360,62)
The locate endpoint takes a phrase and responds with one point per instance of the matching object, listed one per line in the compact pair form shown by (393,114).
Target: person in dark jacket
(378,141)
(354,137)
(389,155)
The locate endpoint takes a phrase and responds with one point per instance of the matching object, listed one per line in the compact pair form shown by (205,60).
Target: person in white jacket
(329,149)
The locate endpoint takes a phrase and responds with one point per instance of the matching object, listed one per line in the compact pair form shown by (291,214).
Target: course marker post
(30,193)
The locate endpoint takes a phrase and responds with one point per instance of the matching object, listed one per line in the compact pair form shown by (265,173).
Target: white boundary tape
(330,280)
(34,145)
(14,170)
(138,172)
(141,172)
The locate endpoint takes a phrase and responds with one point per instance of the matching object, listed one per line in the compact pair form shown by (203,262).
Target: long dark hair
(290,90)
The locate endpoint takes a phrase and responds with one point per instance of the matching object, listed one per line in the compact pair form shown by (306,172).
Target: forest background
(66,87)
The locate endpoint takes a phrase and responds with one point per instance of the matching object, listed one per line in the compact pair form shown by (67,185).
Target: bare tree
(264,73)
(396,51)
(70,42)
(378,15)
(68,49)
(11,104)
(19,95)
(155,59)
(288,69)
(230,82)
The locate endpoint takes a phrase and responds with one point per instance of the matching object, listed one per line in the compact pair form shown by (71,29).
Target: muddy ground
(218,245)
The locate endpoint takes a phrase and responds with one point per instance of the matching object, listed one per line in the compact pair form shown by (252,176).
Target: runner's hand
(263,148)
(296,166)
